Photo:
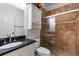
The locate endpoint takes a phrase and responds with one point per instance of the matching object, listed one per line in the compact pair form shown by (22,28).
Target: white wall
(11,13)
(6,25)
(19,5)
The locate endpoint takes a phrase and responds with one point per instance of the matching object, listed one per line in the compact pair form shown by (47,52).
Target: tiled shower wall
(66,35)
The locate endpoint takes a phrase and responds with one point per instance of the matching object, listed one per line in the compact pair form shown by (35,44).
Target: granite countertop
(25,43)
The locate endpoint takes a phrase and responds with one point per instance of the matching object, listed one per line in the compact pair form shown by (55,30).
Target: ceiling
(50,6)
(19,5)
(47,6)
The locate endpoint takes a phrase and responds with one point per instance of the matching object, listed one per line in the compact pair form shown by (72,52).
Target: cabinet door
(27,51)
(13,53)
(24,51)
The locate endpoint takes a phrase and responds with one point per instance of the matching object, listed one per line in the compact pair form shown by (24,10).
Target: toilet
(34,34)
(41,51)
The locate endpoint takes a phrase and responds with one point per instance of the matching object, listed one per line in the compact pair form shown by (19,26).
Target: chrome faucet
(14,37)
(9,38)
(4,40)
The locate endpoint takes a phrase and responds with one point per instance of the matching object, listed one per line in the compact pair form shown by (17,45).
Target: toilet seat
(43,51)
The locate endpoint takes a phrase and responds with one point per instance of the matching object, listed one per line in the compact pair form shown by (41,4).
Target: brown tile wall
(66,36)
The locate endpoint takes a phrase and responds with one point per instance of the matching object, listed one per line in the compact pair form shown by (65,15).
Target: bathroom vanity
(25,49)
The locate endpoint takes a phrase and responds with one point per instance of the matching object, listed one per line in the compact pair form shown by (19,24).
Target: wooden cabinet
(67,34)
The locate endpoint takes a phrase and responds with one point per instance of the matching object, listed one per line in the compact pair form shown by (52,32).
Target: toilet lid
(43,50)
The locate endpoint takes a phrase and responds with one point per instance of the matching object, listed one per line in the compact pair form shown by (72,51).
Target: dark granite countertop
(25,43)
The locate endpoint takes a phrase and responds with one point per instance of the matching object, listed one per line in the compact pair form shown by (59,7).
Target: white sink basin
(10,45)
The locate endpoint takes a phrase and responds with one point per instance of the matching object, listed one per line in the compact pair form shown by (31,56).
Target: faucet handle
(4,40)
